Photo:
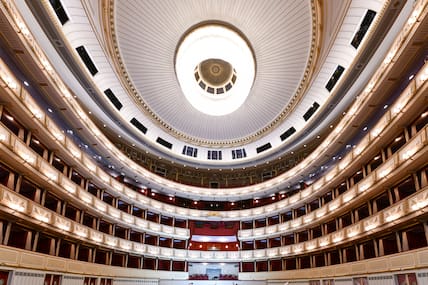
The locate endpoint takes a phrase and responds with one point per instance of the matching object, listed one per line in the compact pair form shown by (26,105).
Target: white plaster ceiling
(280,34)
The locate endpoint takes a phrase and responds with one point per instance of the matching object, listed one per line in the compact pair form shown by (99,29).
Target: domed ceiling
(283,54)
(147,34)
(149,55)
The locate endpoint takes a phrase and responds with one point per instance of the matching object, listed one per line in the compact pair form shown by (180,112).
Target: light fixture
(215,68)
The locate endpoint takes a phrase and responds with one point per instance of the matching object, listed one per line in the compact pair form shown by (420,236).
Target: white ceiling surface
(271,78)
(280,33)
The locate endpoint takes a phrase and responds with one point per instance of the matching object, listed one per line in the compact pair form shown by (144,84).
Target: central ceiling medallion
(215,68)
(215,76)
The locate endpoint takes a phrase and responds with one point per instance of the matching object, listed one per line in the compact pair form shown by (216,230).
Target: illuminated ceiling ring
(215,68)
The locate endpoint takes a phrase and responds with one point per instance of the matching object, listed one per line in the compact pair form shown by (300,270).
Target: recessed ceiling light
(207,59)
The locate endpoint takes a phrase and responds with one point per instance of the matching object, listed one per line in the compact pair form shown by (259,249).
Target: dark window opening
(87,60)
(305,262)
(113,99)
(334,257)
(287,133)
(406,188)
(365,24)
(363,212)
(239,153)
(52,202)
(369,249)
(389,244)
(4,175)
(311,111)
(381,202)
(59,11)
(13,125)
(335,77)
(215,155)
(163,142)
(133,261)
(58,164)
(349,254)
(28,189)
(416,237)
(65,249)
(139,125)
(263,148)
(190,151)
(331,226)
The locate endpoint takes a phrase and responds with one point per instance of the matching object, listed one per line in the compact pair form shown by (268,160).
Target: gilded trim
(118,64)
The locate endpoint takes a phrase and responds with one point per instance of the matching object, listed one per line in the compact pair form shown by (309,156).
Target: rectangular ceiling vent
(139,126)
(87,60)
(59,11)
(113,99)
(285,135)
(311,111)
(335,77)
(215,155)
(239,153)
(364,27)
(190,151)
(163,142)
(263,147)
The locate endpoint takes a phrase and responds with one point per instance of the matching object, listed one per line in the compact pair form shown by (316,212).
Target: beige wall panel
(359,268)
(76,267)
(402,261)
(56,264)
(343,269)
(327,271)
(377,265)
(8,257)
(35,261)
(422,258)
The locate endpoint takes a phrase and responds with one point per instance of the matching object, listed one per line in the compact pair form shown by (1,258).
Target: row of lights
(390,214)
(28,159)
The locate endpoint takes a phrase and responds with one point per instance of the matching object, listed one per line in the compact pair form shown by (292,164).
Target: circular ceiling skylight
(215,68)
